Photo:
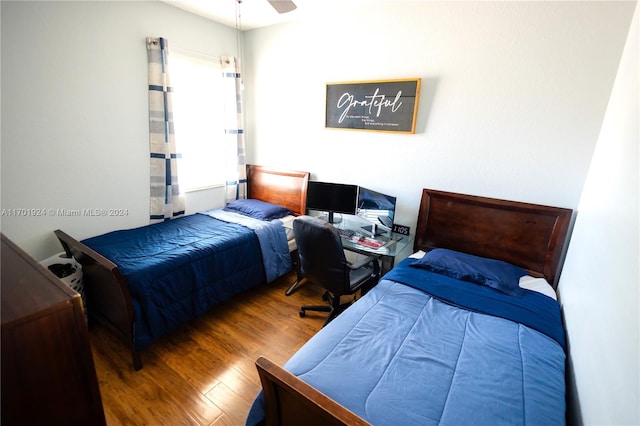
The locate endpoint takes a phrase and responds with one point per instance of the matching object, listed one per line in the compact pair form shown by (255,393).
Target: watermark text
(61,212)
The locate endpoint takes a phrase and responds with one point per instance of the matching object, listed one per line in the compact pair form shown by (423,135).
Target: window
(197,113)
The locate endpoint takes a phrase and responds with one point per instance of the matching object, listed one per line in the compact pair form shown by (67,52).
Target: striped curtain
(166,200)
(234,149)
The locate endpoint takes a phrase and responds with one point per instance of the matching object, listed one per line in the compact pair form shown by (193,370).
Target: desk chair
(323,261)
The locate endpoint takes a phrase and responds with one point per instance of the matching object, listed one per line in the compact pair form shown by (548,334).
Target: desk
(395,246)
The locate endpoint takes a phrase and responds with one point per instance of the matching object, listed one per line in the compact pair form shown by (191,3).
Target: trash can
(69,271)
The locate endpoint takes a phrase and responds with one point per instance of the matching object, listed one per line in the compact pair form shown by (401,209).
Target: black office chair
(323,261)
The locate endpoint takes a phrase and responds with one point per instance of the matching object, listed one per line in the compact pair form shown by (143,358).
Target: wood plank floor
(203,373)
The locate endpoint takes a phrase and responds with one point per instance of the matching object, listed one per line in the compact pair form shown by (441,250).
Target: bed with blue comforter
(177,270)
(445,338)
(143,282)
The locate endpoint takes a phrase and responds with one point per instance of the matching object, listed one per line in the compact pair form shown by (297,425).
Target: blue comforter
(272,239)
(176,270)
(400,356)
(531,308)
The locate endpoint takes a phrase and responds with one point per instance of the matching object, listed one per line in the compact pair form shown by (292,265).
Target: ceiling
(259,13)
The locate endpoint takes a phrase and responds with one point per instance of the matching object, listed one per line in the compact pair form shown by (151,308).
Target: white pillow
(537,284)
(287,222)
(417,255)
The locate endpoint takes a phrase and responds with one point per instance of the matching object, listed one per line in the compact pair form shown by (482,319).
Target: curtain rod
(182,50)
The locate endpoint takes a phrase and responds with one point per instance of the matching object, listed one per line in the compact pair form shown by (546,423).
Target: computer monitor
(332,198)
(376,207)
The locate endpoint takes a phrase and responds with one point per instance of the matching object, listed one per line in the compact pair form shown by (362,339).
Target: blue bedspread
(272,238)
(532,308)
(400,356)
(176,270)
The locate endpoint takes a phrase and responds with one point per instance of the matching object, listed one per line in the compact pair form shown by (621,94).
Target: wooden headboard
(283,187)
(531,236)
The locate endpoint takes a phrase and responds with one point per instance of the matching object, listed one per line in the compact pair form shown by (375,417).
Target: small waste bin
(69,271)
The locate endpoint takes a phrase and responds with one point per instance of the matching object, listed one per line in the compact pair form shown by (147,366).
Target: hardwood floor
(203,373)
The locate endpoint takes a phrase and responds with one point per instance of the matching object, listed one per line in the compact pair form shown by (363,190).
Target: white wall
(599,288)
(513,96)
(74,112)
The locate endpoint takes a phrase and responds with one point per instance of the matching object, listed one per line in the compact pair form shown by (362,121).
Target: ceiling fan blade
(282,6)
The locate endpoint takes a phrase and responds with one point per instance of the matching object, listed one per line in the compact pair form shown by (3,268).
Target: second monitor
(377,208)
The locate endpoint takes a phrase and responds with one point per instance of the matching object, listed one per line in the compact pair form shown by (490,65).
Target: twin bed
(141,283)
(468,333)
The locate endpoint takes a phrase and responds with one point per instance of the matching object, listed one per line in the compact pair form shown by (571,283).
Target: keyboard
(346,233)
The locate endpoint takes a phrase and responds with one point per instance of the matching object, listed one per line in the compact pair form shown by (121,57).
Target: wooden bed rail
(106,292)
(289,401)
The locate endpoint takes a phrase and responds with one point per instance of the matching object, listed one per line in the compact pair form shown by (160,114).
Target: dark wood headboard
(531,236)
(286,188)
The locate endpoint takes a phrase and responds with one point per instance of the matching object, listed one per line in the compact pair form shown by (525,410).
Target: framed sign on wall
(377,105)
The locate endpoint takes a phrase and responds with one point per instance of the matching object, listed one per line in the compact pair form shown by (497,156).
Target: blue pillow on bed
(497,274)
(258,209)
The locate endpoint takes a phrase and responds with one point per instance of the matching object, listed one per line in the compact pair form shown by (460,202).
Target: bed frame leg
(137,360)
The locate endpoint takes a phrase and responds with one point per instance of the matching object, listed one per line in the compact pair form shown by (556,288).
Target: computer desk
(395,246)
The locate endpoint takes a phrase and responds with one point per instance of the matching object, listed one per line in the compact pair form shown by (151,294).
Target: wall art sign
(382,105)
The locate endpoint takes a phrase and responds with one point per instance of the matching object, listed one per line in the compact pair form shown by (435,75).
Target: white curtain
(167,202)
(234,148)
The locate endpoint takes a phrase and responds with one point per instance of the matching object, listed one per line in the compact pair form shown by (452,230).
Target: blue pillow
(497,274)
(258,209)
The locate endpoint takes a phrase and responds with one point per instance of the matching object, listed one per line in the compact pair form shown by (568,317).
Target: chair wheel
(302,313)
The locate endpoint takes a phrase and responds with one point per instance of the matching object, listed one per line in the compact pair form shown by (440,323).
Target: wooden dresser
(48,374)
